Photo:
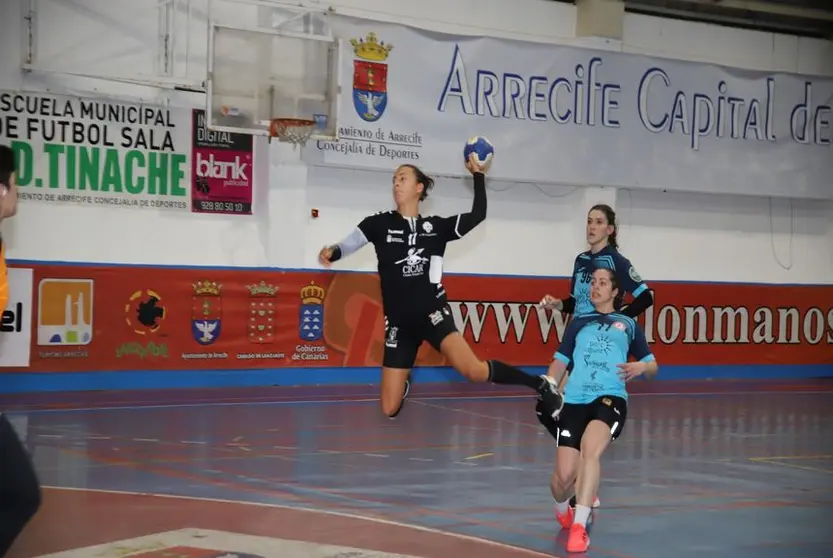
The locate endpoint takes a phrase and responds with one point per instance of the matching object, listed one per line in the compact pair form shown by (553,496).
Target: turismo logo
(65,317)
(65,312)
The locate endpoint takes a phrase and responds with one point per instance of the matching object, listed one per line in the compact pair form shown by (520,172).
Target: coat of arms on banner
(370,77)
(311,320)
(206,312)
(262,302)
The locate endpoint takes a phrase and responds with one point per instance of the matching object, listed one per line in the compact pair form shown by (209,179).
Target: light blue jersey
(606,258)
(597,344)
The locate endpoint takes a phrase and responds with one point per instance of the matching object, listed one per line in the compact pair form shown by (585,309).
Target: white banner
(16,325)
(578,116)
(95,152)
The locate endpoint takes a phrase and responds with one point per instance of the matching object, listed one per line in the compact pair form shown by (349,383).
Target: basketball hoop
(292,130)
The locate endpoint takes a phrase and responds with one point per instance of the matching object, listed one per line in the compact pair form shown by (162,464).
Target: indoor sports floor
(708,469)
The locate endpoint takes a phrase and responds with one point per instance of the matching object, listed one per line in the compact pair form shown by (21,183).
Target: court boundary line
(367,399)
(305,509)
(782,461)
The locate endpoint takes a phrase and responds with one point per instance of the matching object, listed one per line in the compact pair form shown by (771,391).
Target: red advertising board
(142,318)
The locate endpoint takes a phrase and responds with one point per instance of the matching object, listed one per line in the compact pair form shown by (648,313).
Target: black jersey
(410,253)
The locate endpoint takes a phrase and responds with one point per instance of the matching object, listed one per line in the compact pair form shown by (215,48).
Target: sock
(562,507)
(582,515)
(502,373)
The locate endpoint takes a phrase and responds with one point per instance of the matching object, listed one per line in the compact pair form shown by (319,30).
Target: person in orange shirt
(20,495)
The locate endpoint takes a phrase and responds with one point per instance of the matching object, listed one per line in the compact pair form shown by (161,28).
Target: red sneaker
(579,540)
(565,519)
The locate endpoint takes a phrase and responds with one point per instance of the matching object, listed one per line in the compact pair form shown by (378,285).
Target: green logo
(151,349)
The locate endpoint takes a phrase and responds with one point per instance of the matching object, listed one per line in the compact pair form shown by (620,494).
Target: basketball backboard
(257,74)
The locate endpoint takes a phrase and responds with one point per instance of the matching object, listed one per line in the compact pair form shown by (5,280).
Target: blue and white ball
(481,147)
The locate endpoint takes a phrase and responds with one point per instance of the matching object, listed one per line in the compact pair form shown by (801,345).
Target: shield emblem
(311,322)
(370,89)
(206,318)
(261,320)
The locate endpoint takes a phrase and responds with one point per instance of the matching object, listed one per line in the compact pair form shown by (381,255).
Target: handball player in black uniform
(410,249)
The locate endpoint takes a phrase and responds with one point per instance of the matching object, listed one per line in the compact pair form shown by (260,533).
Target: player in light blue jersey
(603,253)
(598,344)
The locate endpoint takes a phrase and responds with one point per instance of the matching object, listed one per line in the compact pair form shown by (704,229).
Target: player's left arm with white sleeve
(365,232)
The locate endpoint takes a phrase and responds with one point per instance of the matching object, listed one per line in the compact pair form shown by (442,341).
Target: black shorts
(403,338)
(574,418)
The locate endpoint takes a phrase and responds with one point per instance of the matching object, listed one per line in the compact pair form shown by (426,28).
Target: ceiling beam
(756,6)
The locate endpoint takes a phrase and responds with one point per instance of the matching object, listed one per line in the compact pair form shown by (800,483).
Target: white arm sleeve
(353,242)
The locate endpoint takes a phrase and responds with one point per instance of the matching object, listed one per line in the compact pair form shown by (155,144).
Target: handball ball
(481,147)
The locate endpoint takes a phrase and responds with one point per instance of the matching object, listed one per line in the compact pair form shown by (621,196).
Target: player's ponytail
(610,215)
(421,178)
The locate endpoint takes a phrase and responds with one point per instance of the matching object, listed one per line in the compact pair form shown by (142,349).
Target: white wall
(530,230)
